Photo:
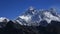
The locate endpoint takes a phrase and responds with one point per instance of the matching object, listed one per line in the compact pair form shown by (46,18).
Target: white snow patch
(50,17)
(19,22)
(3,18)
(48,20)
(26,18)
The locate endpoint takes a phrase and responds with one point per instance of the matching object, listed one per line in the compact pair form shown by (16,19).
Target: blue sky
(13,8)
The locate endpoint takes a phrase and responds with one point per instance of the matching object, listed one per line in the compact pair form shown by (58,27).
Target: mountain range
(32,21)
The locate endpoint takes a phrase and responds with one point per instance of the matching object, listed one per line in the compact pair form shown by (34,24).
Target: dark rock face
(43,23)
(52,28)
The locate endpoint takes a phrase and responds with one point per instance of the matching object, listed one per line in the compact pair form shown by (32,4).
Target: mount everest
(34,17)
(32,21)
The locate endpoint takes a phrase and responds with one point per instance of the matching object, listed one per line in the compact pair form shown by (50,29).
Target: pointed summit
(30,11)
(31,8)
(33,16)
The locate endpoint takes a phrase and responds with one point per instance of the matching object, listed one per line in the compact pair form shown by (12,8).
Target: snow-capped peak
(34,17)
(3,19)
(48,17)
(31,8)
(30,11)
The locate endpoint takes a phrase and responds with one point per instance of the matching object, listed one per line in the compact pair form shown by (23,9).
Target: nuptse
(32,22)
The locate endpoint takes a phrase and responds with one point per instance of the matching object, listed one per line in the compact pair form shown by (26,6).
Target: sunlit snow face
(26,18)
(2,19)
(50,17)
(48,14)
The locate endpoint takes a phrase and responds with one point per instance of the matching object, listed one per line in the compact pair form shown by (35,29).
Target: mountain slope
(32,21)
(33,17)
(3,22)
